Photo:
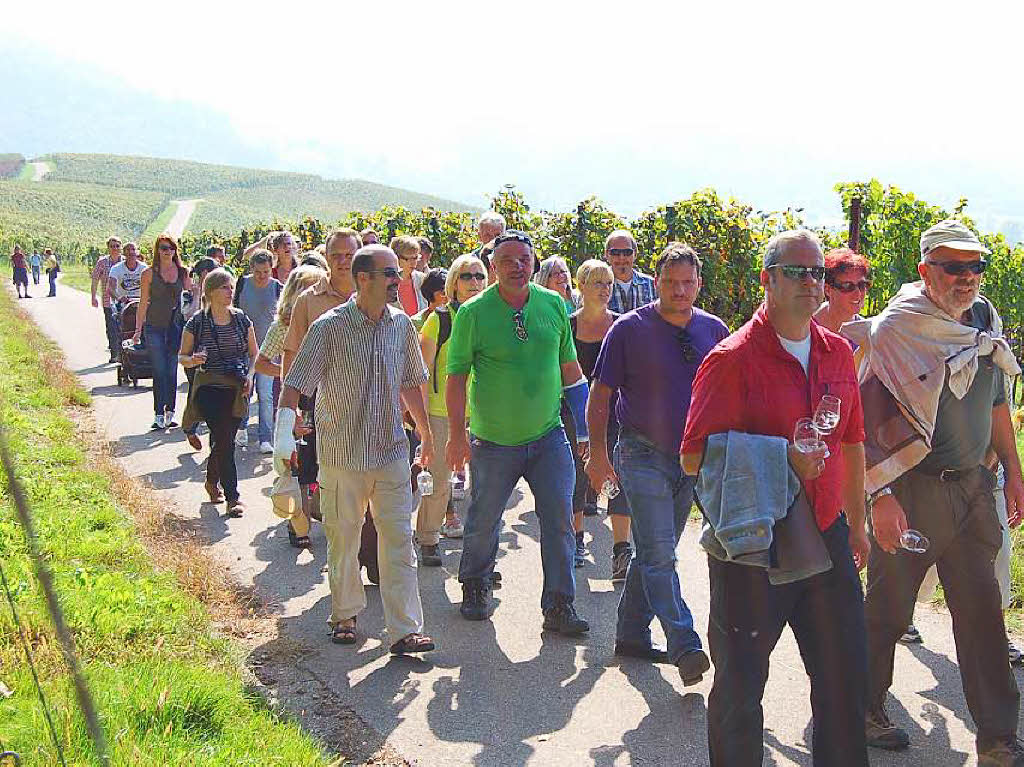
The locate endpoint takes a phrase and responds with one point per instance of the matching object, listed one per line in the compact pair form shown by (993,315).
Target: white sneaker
(242,438)
(266,448)
(158,422)
(458,489)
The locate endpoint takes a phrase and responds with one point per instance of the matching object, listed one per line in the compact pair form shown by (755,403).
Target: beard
(950,302)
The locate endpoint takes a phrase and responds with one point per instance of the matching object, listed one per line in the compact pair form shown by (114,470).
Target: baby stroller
(133,364)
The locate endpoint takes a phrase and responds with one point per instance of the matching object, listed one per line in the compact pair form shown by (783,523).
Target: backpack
(278,287)
(444,332)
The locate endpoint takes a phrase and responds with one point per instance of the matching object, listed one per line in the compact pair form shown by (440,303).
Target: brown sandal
(236,508)
(412,644)
(216,496)
(344,634)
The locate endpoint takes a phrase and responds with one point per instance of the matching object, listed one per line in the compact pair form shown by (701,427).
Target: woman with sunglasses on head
(466,277)
(847,282)
(159,317)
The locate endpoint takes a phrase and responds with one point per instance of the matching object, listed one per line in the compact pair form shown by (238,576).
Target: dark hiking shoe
(579,557)
(882,733)
(621,558)
(430,556)
(627,649)
(692,666)
(563,619)
(476,600)
(1004,753)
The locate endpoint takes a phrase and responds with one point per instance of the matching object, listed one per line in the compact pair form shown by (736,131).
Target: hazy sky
(639,102)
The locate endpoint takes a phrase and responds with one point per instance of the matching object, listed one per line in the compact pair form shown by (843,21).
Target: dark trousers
(826,614)
(215,404)
(113,332)
(960,521)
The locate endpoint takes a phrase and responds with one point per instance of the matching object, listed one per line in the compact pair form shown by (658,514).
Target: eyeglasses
(796,273)
(390,272)
(620,251)
(960,267)
(517,318)
(169,247)
(467,276)
(849,287)
(686,346)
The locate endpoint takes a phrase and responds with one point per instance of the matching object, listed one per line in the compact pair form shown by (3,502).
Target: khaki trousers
(344,495)
(430,516)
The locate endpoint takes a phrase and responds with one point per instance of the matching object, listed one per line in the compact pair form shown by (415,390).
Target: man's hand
(888,523)
(247,386)
(95,303)
(457,452)
(1013,491)
(860,547)
(808,466)
(599,470)
(426,450)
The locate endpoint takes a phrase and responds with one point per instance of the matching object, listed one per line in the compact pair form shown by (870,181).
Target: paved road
(39,170)
(176,226)
(496,693)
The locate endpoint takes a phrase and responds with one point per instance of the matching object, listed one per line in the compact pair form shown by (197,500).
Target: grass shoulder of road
(27,172)
(169,688)
(159,224)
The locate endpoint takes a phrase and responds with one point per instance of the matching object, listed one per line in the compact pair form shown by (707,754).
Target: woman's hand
(247,386)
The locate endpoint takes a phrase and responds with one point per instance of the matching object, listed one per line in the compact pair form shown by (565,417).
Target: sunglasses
(686,346)
(517,318)
(168,247)
(467,276)
(620,251)
(796,273)
(849,287)
(960,267)
(390,272)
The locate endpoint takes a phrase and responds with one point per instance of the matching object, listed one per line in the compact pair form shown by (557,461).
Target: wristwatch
(879,493)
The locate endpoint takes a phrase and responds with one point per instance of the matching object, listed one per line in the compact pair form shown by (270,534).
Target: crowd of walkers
(815,443)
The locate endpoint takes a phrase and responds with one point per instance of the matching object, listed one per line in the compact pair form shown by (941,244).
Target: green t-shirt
(517,385)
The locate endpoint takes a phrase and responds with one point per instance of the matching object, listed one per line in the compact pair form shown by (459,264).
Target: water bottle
(609,489)
(425,482)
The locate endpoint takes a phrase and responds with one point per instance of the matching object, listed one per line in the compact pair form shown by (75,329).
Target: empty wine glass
(826,415)
(200,351)
(307,421)
(807,437)
(609,489)
(914,541)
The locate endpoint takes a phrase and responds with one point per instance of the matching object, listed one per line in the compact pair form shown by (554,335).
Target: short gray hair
(777,245)
(493,218)
(619,233)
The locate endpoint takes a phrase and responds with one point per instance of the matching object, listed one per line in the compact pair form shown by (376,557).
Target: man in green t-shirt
(516,340)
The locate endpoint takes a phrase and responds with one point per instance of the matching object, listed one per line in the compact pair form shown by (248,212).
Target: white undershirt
(799,349)
(625,285)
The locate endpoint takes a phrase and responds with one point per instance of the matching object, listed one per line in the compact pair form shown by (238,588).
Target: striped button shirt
(357,369)
(640,293)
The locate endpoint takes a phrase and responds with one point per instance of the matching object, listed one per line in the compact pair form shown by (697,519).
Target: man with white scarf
(932,383)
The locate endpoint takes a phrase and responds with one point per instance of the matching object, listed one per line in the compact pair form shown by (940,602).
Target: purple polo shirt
(642,359)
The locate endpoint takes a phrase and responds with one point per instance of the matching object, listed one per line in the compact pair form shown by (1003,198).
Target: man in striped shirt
(631,288)
(363,359)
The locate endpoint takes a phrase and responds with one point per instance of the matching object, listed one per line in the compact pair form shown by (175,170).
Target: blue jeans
(659,495)
(162,347)
(264,386)
(546,463)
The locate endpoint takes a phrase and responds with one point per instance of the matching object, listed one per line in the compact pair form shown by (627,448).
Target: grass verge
(74,276)
(159,224)
(169,689)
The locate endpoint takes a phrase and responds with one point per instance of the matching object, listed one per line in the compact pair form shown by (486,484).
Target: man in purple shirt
(650,357)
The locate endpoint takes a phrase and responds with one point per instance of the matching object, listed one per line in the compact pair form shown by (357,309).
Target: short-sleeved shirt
(749,383)
(259,304)
(273,342)
(517,385)
(36,260)
(437,404)
(638,292)
(312,303)
(18,260)
(358,368)
(643,360)
(963,427)
(100,272)
(225,345)
(127,282)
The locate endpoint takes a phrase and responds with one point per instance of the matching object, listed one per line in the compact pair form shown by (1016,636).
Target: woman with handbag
(159,317)
(220,342)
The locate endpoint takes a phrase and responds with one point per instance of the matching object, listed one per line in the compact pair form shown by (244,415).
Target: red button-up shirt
(749,383)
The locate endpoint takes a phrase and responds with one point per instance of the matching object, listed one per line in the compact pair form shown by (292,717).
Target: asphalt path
(495,692)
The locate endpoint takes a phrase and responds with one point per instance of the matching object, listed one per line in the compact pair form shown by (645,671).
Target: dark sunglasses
(620,251)
(168,247)
(686,346)
(389,272)
(467,276)
(517,318)
(849,287)
(794,272)
(960,267)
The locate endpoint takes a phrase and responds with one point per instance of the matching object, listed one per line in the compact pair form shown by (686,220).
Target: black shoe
(1004,753)
(563,619)
(692,666)
(373,573)
(620,562)
(114,358)
(476,600)
(579,557)
(591,510)
(430,556)
(626,649)
(495,580)
(882,733)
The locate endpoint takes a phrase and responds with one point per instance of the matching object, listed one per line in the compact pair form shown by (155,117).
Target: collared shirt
(750,383)
(313,302)
(101,272)
(640,293)
(358,369)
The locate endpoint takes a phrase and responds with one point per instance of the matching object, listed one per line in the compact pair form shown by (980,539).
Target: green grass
(169,691)
(76,275)
(27,173)
(159,224)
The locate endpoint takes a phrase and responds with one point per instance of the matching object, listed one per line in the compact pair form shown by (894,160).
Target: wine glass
(200,351)
(609,489)
(826,415)
(807,436)
(307,421)
(914,541)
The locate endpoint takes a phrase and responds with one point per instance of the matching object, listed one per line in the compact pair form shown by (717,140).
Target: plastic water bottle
(425,482)
(609,489)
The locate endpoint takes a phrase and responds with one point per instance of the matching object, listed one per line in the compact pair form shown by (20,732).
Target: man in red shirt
(760,380)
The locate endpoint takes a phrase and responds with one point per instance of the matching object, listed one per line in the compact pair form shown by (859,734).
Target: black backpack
(444,332)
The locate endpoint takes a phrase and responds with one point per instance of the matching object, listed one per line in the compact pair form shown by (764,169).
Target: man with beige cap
(932,385)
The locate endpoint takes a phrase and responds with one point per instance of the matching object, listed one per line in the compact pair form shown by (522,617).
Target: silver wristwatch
(879,493)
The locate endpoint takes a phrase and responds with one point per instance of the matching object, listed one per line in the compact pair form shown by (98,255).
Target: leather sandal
(412,644)
(193,440)
(341,634)
(236,508)
(216,496)
(298,541)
